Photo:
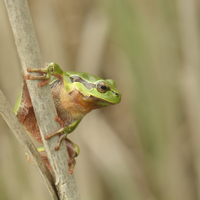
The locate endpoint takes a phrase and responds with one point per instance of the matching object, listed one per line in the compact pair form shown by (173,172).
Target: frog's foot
(43,154)
(46,73)
(58,132)
(71,164)
(73,151)
(61,138)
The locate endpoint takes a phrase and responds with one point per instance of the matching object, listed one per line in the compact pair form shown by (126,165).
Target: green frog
(75,94)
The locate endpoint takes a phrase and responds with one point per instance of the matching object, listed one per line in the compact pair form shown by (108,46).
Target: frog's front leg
(51,69)
(62,132)
(72,148)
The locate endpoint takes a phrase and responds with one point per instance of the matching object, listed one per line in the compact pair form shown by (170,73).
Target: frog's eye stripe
(101,86)
(89,86)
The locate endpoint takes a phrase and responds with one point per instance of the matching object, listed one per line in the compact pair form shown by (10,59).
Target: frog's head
(94,90)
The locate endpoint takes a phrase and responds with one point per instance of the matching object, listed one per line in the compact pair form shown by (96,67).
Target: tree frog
(75,94)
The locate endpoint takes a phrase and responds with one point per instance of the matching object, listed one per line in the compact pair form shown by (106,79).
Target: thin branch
(12,121)
(29,54)
(190,43)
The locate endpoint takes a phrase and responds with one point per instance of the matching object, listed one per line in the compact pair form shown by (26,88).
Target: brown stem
(29,54)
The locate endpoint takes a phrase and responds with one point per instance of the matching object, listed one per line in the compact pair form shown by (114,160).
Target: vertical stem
(29,54)
(189,31)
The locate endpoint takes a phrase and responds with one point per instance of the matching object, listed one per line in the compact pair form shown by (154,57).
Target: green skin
(75,94)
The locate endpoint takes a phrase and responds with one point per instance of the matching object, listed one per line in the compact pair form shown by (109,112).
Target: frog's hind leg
(24,102)
(26,115)
(73,151)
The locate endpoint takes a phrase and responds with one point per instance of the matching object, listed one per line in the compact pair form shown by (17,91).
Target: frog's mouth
(96,101)
(102,102)
(88,102)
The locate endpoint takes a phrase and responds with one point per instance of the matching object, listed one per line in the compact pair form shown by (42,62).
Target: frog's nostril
(117,94)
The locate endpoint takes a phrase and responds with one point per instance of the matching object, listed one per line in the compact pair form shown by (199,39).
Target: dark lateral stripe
(89,86)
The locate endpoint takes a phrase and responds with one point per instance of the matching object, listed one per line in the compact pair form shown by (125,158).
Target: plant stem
(29,54)
(17,129)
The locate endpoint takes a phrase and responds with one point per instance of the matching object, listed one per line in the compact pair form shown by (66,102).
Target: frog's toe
(61,138)
(71,164)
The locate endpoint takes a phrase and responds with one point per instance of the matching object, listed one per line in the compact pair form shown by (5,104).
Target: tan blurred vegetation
(148,146)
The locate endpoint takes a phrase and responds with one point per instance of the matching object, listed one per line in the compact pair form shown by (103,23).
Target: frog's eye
(102,87)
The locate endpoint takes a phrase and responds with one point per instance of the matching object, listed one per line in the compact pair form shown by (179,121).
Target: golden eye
(102,87)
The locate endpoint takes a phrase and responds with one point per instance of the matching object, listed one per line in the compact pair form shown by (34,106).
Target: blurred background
(148,146)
